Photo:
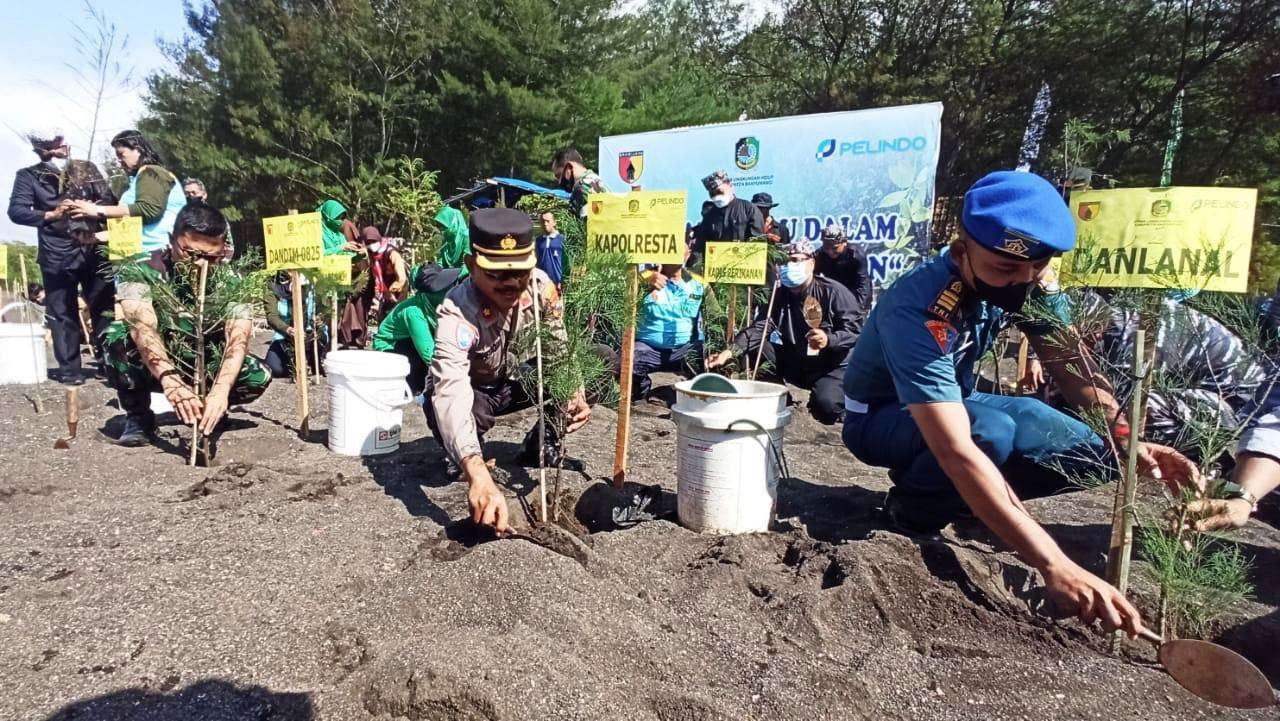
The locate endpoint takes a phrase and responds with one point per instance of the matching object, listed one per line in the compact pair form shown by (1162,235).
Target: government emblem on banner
(631,166)
(746,152)
(1090,210)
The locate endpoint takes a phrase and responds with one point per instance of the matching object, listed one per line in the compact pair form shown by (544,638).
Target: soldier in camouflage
(143,350)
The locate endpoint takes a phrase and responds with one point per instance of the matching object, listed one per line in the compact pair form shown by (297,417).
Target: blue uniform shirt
(550,249)
(669,317)
(927,332)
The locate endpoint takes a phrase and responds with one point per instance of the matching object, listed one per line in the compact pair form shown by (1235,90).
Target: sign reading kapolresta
(647,226)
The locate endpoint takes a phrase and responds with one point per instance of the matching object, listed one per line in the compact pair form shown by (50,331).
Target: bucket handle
(19,304)
(407,398)
(779,457)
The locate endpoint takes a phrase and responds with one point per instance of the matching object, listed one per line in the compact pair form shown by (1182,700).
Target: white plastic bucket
(728,452)
(367,393)
(22,354)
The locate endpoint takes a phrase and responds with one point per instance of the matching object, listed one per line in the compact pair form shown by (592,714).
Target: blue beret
(1019,215)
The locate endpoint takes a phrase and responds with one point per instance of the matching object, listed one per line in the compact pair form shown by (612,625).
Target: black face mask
(1009,298)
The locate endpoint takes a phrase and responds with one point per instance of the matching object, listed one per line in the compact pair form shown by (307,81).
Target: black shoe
(137,432)
(66,376)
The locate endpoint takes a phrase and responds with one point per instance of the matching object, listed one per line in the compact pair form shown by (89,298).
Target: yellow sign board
(736,263)
(124,238)
(4,262)
(293,241)
(1162,238)
(646,225)
(336,268)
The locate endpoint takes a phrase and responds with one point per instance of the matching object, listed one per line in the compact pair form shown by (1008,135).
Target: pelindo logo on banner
(870,172)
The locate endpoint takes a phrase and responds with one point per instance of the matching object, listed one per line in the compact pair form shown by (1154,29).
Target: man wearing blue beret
(910,403)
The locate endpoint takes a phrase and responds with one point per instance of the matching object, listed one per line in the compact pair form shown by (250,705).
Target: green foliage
(278,105)
(1200,577)
(228,287)
(14,267)
(404,194)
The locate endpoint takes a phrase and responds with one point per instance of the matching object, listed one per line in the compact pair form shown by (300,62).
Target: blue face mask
(794,274)
(1181,295)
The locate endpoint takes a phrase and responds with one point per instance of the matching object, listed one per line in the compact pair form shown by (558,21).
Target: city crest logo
(1161,208)
(1090,210)
(746,152)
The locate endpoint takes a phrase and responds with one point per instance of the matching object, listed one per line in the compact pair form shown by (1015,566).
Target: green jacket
(413,318)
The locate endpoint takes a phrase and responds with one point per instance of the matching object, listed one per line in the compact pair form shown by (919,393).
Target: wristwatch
(1232,491)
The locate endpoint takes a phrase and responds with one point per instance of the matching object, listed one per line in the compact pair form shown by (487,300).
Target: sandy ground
(289,583)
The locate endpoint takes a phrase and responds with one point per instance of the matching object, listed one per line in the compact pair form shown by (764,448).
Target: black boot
(138,431)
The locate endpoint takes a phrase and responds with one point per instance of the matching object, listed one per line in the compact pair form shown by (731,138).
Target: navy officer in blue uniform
(910,403)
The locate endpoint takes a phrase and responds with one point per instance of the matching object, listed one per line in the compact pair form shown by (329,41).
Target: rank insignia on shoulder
(944,306)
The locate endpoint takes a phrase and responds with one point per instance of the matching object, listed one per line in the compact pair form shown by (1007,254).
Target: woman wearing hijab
(154,193)
(338,231)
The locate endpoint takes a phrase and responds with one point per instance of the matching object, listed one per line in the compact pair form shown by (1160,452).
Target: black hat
(502,239)
(713,181)
(763,200)
(431,278)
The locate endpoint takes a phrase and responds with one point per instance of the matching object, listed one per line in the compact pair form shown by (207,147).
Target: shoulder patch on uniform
(947,302)
(466,336)
(943,332)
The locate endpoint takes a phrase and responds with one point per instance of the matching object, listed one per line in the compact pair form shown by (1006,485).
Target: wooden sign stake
(624,384)
(333,325)
(26,319)
(299,350)
(764,335)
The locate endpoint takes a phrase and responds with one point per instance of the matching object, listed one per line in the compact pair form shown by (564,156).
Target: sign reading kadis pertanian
(1180,237)
(647,225)
(736,263)
(870,172)
(293,241)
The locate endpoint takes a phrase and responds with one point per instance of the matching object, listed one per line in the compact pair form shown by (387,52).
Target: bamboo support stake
(542,412)
(200,369)
(26,319)
(621,443)
(764,335)
(315,343)
(1120,551)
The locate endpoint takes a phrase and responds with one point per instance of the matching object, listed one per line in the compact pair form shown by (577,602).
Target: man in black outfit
(773,230)
(729,218)
(70,267)
(846,264)
(799,352)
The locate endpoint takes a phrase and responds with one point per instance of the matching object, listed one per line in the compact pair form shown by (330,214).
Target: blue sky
(40,91)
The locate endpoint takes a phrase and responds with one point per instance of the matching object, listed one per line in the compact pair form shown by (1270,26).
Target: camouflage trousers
(128,375)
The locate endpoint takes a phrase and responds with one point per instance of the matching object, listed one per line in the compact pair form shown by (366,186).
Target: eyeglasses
(194,255)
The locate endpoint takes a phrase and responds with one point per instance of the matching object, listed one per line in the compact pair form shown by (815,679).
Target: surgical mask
(1181,295)
(721,200)
(794,274)
(59,163)
(375,247)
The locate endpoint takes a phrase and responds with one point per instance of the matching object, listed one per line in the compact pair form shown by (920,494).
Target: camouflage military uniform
(123,364)
(589,183)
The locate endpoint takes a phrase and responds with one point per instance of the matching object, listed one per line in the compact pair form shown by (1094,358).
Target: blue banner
(869,171)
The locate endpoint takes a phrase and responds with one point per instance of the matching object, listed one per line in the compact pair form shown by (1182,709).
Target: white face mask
(59,163)
(721,200)
(375,247)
